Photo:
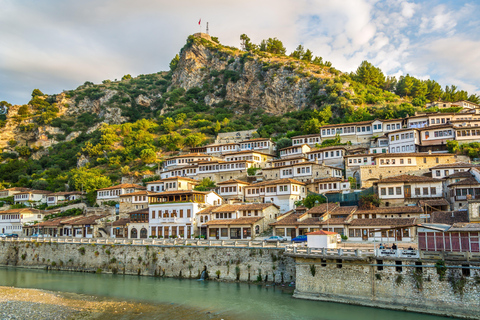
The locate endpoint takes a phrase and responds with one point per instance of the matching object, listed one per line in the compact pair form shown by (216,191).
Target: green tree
(205,185)
(298,53)
(168,124)
(194,140)
(148,156)
(273,45)
(452,146)
(368,74)
(246,44)
(37,92)
(311,126)
(127,77)
(88,180)
(312,199)
(23,110)
(174,63)
(308,56)
(434,90)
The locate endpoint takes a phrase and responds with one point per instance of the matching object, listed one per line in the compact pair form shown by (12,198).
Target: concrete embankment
(222,263)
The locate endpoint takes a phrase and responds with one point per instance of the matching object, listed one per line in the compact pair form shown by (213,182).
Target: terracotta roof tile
(433,202)
(121,222)
(465,182)
(279,181)
(233,181)
(448,217)
(244,206)
(382,222)
(460,174)
(239,221)
(391,210)
(408,178)
(321,233)
(123,186)
(454,165)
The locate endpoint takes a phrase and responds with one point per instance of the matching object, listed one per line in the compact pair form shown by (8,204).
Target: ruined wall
(224,263)
(411,289)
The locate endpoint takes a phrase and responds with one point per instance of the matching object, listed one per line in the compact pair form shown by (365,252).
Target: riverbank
(26,304)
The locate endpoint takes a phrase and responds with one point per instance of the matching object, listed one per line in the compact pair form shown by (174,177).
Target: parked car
(300,239)
(275,239)
(36,235)
(12,235)
(3,235)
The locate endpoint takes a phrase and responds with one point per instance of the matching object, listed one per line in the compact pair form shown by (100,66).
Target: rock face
(274,84)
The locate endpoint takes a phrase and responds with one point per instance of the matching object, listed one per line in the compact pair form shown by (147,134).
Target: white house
(402,141)
(62,197)
(322,239)
(232,190)
(173,213)
(31,197)
(403,189)
(282,192)
(295,151)
(113,193)
(265,145)
(13,220)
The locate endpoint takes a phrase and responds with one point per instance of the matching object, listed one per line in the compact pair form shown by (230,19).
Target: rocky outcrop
(274,84)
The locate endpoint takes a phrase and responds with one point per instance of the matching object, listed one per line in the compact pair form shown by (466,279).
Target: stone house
(113,193)
(179,161)
(259,159)
(354,162)
(282,192)
(239,221)
(300,170)
(173,213)
(62,197)
(407,189)
(12,191)
(134,201)
(265,145)
(14,220)
(138,224)
(393,164)
(329,184)
(295,151)
(31,197)
(232,190)
(382,229)
(444,170)
(332,156)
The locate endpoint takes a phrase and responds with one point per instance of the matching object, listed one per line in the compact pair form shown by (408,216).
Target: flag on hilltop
(199,21)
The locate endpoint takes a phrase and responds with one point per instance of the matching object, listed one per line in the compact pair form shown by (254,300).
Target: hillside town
(383,181)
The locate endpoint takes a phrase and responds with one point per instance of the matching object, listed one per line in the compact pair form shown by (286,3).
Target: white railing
(155,242)
(323,252)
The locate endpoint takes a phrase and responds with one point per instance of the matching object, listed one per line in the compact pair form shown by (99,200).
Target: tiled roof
(233,181)
(321,233)
(331,179)
(467,227)
(343,210)
(196,154)
(391,210)
(465,182)
(255,139)
(433,202)
(123,186)
(86,220)
(248,151)
(454,165)
(138,193)
(173,192)
(242,207)
(144,210)
(411,154)
(16,189)
(22,210)
(279,181)
(239,221)
(290,159)
(459,174)
(179,178)
(327,149)
(347,124)
(65,193)
(207,210)
(436,126)
(121,222)
(382,222)
(334,221)
(448,217)
(35,192)
(408,178)
(296,146)
(322,208)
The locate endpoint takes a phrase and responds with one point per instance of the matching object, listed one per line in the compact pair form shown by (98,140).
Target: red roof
(321,233)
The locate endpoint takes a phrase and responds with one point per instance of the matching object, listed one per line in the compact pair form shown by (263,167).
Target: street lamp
(328,222)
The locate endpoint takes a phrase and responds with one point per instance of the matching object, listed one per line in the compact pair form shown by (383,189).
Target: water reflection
(218,299)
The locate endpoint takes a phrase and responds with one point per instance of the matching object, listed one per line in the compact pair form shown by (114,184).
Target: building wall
(358,282)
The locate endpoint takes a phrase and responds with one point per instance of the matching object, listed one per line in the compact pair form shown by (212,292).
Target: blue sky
(58,45)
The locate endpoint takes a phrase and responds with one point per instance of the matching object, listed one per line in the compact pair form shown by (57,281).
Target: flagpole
(200,24)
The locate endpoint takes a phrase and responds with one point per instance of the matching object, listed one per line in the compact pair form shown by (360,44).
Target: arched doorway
(133,233)
(143,233)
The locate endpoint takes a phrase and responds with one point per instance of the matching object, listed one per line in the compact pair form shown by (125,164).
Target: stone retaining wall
(419,289)
(223,263)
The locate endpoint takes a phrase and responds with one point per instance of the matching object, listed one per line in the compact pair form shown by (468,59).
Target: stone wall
(224,263)
(411,289)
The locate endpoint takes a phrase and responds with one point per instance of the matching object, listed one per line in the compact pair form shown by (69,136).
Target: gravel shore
(33,304)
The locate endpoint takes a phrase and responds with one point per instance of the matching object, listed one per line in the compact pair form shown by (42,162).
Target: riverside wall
(416,288)
(222,263)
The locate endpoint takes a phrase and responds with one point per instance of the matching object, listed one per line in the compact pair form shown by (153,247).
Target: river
(191,299)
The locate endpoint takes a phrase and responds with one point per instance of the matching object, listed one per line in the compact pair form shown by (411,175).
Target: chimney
(429,151)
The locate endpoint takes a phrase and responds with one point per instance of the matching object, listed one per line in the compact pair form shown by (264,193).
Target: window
(437,173)
(409,161)
(417,191)
(425,191)
(390,191)
(433,191)
(399,191)
(424,160)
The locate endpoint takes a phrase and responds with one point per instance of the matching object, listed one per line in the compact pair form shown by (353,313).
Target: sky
(57,45)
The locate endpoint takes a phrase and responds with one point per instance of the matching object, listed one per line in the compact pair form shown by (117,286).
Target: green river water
(191,299)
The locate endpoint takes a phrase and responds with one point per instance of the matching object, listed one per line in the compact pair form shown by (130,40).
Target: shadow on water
(193,299)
